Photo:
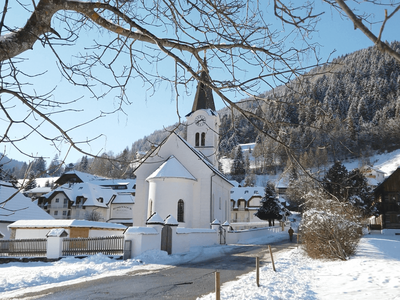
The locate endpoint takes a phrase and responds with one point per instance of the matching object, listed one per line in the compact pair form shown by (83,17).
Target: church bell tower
(203,122)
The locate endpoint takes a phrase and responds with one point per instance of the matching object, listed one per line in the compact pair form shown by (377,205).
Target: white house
(181,178)
(245,201)
(373,175)
(15,206)
(85,196)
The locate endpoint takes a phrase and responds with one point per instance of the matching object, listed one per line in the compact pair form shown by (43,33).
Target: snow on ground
(373,272)
(18,278)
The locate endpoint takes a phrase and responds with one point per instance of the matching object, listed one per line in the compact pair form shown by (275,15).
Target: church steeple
(204,97)
(203,122)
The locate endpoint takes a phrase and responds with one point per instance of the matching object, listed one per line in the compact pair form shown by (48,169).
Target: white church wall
(165,194)
(143,239)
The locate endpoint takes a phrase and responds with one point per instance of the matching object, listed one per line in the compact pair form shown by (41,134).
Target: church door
(166,239)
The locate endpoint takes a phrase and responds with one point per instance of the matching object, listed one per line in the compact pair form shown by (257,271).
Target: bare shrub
(330,229)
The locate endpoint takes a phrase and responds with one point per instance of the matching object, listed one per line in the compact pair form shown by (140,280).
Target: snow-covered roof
(64,224)
(124,198)
(91,192)
(39,190)
(171,168)
(246,193)
(155,219)
(85,177)
(18,207)
(171,221)
(204,159)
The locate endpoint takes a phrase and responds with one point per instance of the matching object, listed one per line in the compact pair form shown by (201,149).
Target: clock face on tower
(200,120)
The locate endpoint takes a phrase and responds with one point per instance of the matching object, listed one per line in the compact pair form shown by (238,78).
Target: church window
(151,207)
(203,139)
(181,211)
(219,202)
(197,142)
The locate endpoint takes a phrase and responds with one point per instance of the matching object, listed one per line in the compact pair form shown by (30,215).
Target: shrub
(330,229)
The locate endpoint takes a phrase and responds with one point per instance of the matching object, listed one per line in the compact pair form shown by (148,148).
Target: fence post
(272,258)
(258,271)
(217,286)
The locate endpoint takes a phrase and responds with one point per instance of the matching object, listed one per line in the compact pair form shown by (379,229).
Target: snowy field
(373,273)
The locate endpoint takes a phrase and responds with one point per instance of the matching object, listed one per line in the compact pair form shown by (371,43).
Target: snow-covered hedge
(330,229)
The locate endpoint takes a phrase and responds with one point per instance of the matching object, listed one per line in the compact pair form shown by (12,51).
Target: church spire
(204,98)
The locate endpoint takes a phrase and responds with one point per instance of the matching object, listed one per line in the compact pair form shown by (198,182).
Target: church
(181,177)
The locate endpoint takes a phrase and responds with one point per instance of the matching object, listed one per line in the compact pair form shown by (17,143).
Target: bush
(330,229)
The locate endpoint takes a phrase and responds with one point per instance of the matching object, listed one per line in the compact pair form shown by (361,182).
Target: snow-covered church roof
(171,168)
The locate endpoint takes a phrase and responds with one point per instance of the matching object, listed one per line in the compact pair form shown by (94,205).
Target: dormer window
(100,200)
(246,191)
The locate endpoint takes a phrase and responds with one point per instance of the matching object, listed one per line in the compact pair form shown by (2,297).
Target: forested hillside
(346,109)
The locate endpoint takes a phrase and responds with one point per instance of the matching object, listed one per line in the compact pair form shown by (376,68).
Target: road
(184,281)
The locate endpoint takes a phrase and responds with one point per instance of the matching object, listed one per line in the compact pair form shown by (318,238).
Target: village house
(245,202)
(84,196)
(387,195)
(374,176)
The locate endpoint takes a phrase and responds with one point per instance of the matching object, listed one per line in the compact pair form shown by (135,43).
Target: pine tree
(31,184)
(238,166)
(271,209)
(360,194)
(335,181)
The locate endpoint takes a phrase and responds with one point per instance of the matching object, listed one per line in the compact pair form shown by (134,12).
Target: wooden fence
(111,245)
(25,247)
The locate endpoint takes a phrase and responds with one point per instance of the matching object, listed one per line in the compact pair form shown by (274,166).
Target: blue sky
(148,110)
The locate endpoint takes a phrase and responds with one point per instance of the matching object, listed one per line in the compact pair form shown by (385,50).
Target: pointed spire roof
(204,97)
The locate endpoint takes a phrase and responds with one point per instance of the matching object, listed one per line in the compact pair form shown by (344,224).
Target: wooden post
(283,226)
(272,258)
(258,271)
(217,286)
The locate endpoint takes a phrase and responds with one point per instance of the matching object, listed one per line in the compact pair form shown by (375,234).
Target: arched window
(197,139)
(203,139)
(181,211)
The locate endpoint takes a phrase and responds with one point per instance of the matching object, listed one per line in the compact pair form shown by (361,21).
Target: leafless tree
(245,46)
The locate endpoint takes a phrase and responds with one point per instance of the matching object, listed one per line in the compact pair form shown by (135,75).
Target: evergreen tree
(335,181)
(84,164)
(360,194)
(271,209)
(238,166)
(39,166)
(55,168)
(31,184)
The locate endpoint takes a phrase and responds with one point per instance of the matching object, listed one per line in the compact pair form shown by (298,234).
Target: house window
(56,212)
(64,212)
(57,200)
(181,211)
(220,203)
(197,139)
(65,202)
(203,139)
